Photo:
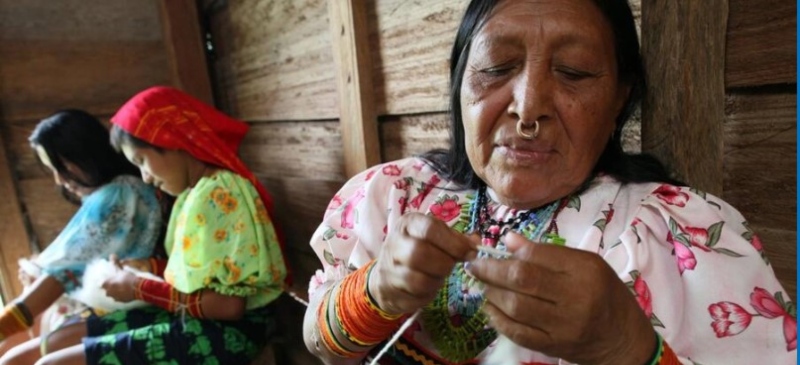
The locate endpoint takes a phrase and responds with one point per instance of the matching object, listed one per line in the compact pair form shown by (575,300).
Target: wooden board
(46,209)
(780,246)
(357,119)
(411,42)
(79,20)
(406,136)
(185,47)
(761,43)
(310,150)
(760,158)
(40,77)
(279,63)
(684,110)
(15,240)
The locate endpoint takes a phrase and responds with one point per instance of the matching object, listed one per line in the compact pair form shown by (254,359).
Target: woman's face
(71,185)
(166,170)
(546,60)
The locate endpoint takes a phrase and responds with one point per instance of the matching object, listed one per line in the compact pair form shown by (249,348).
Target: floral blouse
(695,268)
(220,237)
(121,217)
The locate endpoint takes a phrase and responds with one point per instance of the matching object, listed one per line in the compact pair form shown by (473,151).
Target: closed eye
(574,74)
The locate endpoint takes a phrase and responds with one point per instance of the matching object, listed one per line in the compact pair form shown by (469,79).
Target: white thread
(396,337)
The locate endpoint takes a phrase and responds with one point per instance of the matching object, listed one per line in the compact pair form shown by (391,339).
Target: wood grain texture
(278,62)
(47,210)
(760,158)
(762,42)
(411,42)
(683,113)
(15,242)
(40,77)
(185,47)
(80,20)
(406,136)
(310,150)
(781,248)
(357,118)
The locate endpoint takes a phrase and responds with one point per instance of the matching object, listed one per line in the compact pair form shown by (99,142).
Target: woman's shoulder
(122,187)
(411,168)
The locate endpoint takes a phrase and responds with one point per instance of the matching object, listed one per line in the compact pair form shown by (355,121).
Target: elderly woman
(594,256)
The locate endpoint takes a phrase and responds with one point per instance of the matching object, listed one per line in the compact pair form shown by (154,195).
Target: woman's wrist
(373,300)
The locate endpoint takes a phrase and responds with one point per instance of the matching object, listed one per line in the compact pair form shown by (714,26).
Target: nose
(146,177)
(532,94)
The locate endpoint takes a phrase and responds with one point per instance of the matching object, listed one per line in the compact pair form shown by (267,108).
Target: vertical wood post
(358,120)
(14,239)
(683,45)
(185,46)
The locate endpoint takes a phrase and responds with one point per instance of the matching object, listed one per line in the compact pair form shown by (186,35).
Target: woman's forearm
(313,336)
(42,294)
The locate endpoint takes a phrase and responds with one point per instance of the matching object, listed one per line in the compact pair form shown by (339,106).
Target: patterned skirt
(152,335)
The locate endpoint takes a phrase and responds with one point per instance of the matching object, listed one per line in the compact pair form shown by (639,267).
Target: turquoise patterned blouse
(121,217)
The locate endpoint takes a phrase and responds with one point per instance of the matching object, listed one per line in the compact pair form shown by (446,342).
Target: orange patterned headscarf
(171,119)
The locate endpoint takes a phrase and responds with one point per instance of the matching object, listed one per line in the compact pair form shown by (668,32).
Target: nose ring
(521,126)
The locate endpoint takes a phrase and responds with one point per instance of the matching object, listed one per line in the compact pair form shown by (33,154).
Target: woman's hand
(122,286)
(565,303)
(414,261)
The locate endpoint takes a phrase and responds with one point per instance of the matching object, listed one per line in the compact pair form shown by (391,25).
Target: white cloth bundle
(92,292)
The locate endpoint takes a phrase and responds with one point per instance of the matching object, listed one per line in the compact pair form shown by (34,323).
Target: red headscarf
(171,119)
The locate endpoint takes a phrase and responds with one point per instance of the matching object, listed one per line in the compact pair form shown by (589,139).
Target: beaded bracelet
(664,354)
(15,317)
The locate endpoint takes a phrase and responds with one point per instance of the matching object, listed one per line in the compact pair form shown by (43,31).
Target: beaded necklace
(469,335)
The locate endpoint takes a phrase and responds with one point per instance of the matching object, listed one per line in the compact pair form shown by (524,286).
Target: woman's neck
(199,170)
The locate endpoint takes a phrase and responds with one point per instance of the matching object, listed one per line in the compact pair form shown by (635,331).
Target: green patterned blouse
(220,237)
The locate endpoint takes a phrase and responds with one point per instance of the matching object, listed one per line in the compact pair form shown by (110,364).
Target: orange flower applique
(254,250)
(261,211)
(220,235)
(187,243)
(229,205)
(200,219)
(218,195)
(238,227)
(234,271)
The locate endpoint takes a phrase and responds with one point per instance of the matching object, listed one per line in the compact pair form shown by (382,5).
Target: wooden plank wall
(760,127)
(753,114)
(88,54)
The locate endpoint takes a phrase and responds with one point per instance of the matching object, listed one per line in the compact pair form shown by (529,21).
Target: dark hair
(78,137)
(120,137)
(453,162)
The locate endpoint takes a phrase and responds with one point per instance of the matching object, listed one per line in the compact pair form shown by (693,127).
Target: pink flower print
(686,259)
(391,170)
(349,211)
(643,296)
(335,203)
(765,304)
(756,242)
(672,195)
(790,332)
(423,193)
(730,319)
(402,184)
(698,237)
(447,209)
(370,174)
(403,202)
(419,165)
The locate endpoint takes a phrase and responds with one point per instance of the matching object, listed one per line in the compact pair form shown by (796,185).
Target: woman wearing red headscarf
(225,260)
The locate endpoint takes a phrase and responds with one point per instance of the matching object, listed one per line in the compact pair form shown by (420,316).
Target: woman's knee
(25,353)
(64,337)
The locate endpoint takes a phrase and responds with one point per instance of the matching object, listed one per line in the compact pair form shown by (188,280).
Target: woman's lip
(535,154)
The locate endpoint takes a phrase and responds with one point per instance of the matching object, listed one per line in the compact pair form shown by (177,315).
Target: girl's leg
(64,337)
(23,354)
(69,356)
